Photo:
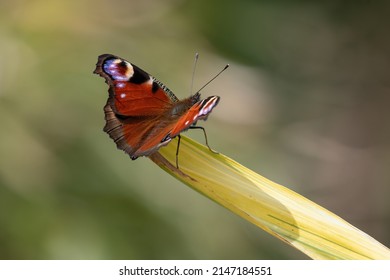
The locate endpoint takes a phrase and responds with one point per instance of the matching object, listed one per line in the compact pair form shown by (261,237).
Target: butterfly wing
(173,125)
(199,111)
(133,91)
(136,106)
(136,136)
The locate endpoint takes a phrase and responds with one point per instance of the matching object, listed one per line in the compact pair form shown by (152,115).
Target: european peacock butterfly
(141,113)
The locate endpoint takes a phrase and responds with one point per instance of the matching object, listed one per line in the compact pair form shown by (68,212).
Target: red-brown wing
(142,136)
(133,92)
(199,111)
(136,106)
(186,113)
(136,136)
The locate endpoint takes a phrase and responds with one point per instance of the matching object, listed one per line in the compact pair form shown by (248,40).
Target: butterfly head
(195,98)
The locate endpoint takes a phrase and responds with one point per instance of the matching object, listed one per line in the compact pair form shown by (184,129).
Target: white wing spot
(187,122)
(123,95)
(120,85)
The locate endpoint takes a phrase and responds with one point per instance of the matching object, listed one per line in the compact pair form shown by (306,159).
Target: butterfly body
(141,113)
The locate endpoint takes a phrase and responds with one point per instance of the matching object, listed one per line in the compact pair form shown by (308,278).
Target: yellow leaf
(278,210)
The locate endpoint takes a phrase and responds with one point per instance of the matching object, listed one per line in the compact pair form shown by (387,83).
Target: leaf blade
(276,209)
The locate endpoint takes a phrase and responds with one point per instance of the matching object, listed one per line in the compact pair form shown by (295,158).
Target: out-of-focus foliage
(305,103)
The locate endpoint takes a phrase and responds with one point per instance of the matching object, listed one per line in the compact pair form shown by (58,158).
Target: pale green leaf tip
(281,212)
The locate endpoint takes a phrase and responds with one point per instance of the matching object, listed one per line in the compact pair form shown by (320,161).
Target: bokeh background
(306,103)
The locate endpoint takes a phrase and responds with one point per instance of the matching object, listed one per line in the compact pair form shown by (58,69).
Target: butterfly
(143,115)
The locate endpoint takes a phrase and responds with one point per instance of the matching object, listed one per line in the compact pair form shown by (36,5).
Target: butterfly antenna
(220,72)
(193,71)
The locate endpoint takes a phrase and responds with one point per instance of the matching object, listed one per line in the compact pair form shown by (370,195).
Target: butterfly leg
(177,151)
(205,137)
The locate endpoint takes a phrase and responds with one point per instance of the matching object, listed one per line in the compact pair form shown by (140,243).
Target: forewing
(199,111)
(133,92)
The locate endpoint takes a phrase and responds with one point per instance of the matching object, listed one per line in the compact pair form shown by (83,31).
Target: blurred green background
(305,103)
